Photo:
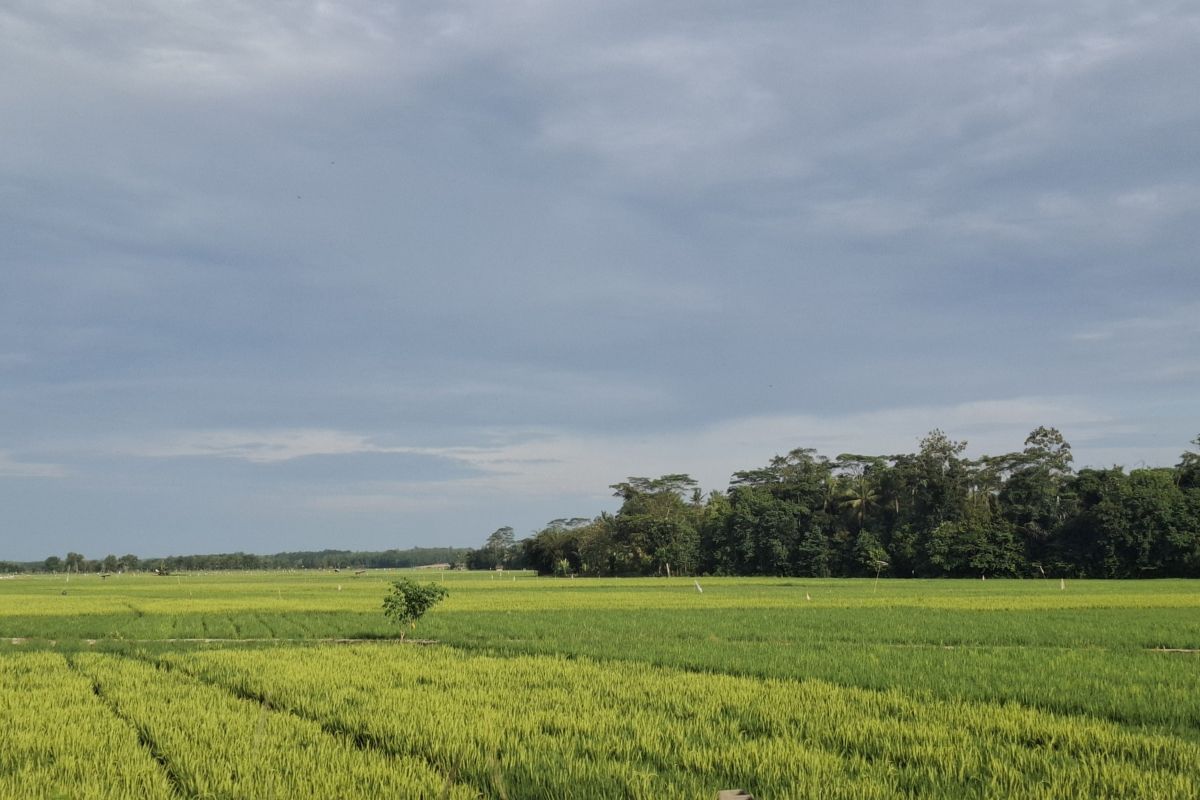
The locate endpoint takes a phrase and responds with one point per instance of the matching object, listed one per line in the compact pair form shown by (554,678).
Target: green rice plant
(1130,685)
(58,739)
(553,727)
(217,745)
(616,687)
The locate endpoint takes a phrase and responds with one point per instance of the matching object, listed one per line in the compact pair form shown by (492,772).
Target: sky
(363,275)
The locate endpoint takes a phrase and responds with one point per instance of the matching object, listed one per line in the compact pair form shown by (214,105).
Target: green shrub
(409,601)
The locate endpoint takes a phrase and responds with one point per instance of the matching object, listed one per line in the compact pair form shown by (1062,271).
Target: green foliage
(871,557)
(1133,526)
(1188,470)
(62,740)
(703,730)
(656,529)
(409,600)
(218,742)
(559,542)
(933,513)
(790,687)
(812,554)
(305,559)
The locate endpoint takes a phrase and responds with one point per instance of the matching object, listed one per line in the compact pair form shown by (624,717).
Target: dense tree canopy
(927,514)
(931,513)
(321,559)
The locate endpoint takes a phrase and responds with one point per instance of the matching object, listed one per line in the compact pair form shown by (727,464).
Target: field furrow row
(553,727)
(59,739)
(217,745)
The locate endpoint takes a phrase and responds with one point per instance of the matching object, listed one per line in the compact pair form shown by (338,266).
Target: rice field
(289,685)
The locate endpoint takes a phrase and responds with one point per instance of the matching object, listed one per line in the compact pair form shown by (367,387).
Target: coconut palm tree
(860,492)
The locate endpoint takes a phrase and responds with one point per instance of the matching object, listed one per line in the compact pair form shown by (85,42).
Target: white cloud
(11,467)
(261,447)
(1189,368)
(1172,324)
(582,216)
(1124,215)
(548,462)
(8,360)
(273,446)
(661,104)
(557,467)
(398,499)
(573,463)
(232,48)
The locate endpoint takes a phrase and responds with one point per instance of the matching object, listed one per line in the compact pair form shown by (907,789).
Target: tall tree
(939,479)
(655,529)
(558,542)
(762,532)
(800,477)
(1034,497)
(497,552)
(772,512)
(929,513)
(859,493)
(1187,471)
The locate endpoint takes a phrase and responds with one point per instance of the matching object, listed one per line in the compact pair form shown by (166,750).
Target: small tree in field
(409,601)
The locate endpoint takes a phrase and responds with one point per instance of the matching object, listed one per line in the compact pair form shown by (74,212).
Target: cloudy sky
(293,275)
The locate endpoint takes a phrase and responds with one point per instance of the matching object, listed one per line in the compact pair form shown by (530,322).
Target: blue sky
(281,276)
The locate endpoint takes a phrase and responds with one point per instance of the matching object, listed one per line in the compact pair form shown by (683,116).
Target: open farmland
(234,685)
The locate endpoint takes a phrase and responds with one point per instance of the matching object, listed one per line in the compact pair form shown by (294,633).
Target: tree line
(305,559)
(932,513)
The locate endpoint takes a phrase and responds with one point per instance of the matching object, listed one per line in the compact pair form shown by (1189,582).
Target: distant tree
(1159,509)
(761,532)
(409,601)
(498,551)
(812,554)
(52,564)
(773,519)
(712,523)
(858,494)
(930,513)
(679,484)
(597,546)
(1187,472)
(1047,448)
(869,554)
(922,491)
(556,543)
(800,477)
(940,482)
(74,562)
(655,528)
(1034,496)
(1139,525)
